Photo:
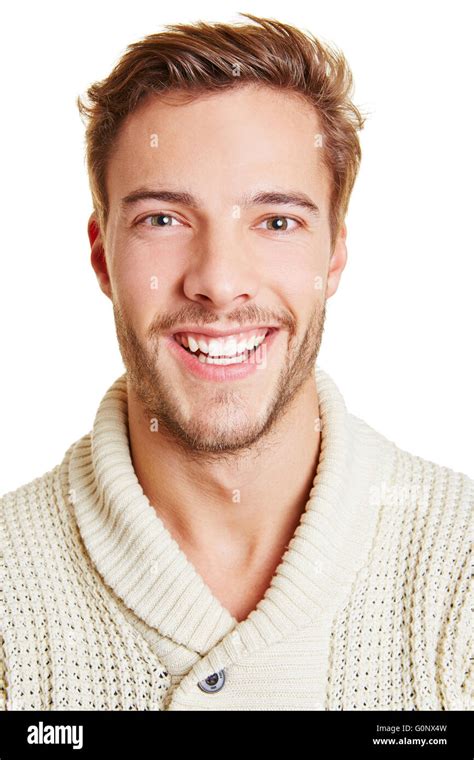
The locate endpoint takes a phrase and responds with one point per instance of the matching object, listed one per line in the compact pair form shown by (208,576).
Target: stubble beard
(159,402)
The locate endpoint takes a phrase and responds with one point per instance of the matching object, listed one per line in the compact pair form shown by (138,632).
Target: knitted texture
(370,607)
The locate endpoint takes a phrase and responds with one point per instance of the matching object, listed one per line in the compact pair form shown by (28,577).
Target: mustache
(245,318)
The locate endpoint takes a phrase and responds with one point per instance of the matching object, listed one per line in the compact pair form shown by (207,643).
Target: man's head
(221,160)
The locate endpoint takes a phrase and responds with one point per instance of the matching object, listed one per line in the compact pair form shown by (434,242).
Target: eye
(282,224)
(163,219)
(161,216)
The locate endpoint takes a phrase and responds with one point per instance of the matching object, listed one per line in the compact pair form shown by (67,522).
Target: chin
(233,426)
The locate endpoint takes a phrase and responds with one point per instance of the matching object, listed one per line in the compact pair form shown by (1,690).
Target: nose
(222,271)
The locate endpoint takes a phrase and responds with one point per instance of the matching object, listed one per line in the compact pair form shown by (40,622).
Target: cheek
(300,284)
(144,282)
(299,290)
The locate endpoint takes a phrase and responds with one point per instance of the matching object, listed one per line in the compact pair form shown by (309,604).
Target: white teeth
(251,343)
(204,359)
(193,345)
(216,348)
(220,347)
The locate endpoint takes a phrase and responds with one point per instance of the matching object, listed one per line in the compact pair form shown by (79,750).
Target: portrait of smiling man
(229,536)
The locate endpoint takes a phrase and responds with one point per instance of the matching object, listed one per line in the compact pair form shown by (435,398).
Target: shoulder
(425,518)
(38,489)
(411,485)
(18,504)
(432,505)
(33,515)
(433,491)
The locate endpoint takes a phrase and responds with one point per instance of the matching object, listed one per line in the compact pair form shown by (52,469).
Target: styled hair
(204,58)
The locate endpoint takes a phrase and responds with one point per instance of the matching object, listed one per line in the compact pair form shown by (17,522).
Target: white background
(398,334)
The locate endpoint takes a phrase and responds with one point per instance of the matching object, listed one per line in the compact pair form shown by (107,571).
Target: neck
(246,508)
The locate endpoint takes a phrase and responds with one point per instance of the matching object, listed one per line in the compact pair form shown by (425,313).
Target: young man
(228,536)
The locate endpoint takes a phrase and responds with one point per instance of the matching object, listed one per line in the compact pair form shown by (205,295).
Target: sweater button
(212,683)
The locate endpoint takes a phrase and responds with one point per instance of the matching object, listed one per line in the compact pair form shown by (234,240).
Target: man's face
(225,264)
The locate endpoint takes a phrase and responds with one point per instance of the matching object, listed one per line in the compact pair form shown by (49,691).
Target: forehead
(247,134)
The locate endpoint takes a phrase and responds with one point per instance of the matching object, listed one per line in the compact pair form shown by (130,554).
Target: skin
(231,465)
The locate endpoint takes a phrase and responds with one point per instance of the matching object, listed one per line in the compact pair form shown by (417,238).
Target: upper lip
(216,333)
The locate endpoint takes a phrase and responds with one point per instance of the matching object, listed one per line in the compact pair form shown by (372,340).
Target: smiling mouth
(221,351)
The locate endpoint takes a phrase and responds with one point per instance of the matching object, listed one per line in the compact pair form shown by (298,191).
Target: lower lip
(223,372)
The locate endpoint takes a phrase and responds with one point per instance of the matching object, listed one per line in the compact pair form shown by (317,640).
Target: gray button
(213,683)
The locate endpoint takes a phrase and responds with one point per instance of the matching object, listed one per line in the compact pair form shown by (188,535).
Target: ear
(337,262)
(98,260)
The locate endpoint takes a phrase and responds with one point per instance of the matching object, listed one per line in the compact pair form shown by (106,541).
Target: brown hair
(210,57)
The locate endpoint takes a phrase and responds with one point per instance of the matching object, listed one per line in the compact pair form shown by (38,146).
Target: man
(228,536)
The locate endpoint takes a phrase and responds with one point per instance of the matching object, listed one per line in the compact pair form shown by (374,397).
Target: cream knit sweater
(369,609)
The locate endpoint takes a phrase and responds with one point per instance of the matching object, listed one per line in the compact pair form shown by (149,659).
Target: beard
(226,426)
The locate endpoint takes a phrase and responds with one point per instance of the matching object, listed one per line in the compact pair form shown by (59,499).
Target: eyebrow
(282,198)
